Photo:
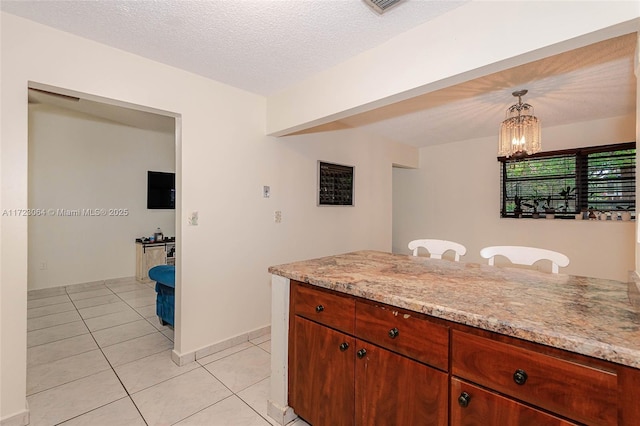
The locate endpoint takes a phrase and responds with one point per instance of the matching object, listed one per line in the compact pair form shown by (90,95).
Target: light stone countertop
(589,316)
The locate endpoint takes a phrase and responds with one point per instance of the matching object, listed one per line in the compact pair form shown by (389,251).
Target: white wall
(455,195)
(223,159)
(79,162)
(239,239)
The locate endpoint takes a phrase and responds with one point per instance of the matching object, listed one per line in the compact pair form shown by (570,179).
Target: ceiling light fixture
(520,133)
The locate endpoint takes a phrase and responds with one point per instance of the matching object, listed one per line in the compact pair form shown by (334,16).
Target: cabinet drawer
(577,391)
(472,406)
(403,332)
(326,308)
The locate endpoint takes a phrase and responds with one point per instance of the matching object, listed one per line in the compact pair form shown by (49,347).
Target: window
(567,182)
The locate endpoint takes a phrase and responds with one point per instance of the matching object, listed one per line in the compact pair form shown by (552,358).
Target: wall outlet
(277,216)
(266,191)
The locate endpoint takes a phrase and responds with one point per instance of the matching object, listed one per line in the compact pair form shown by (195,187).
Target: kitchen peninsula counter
(589,316)
(577,337)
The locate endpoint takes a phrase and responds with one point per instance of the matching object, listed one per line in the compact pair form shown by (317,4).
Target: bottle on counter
(158,235)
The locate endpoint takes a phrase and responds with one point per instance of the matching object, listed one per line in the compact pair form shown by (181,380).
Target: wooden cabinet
(357,362)
(580,392)
(322,381)
(336,377)
(148,256)
(392,389)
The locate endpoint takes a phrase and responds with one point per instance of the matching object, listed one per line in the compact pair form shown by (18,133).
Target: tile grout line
(55,325)
(53,313)
(97,408)
(128,394)
(64,357)
(57,340)
(144,318)
(112,369)
(230,390)
(98,347)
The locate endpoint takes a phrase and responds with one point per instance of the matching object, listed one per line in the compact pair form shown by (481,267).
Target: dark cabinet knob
(344,346)
(319,308)
(361,353)
(520,377)
(393,333)
(464,399)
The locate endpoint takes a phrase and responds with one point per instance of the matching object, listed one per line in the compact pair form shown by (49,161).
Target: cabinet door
(394,390)
(472,406)
(323,374)
(154,256)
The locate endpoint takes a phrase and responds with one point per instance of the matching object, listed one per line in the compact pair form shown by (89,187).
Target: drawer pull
(344,346)
(464,399)
(520,377)
(393,333)
(361,353)
(319,308)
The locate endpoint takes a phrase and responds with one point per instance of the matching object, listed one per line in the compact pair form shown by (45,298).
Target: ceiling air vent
(381,6)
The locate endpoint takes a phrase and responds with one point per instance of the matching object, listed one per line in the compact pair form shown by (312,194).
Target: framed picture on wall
(335,184)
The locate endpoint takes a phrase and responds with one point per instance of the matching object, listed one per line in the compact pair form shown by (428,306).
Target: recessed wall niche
(335,184)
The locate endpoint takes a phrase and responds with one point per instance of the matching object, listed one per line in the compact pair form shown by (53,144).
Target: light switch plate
(193,219)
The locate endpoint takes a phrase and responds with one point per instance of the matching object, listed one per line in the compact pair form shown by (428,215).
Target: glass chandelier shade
(520,133)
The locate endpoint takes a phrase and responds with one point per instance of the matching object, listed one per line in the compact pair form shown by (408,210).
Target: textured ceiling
(264,46)
(261,46)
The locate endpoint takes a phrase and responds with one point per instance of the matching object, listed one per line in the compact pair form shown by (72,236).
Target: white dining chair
(525,256)
(437,248)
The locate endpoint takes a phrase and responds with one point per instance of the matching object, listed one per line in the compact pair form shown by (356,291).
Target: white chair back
(437,248)
(525,255)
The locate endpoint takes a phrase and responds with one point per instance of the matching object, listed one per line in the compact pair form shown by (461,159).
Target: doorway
(87,170)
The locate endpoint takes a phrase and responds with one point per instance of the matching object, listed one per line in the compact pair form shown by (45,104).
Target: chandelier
(520,133)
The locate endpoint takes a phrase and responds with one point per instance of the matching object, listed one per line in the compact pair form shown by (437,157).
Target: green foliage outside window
(568,182)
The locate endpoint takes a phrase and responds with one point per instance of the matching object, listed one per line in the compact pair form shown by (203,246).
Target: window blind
(569,181)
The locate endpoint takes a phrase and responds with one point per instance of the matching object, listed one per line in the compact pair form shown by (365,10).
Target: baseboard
(90,285)
(19,419)
(258,332)
(182,359)
(282,415)
(186,358)
(87,284)
(119,280)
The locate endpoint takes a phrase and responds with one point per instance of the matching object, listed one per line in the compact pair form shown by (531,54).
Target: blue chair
(165,278)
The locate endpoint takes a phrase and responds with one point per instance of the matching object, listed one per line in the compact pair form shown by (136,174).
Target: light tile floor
(98,355)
